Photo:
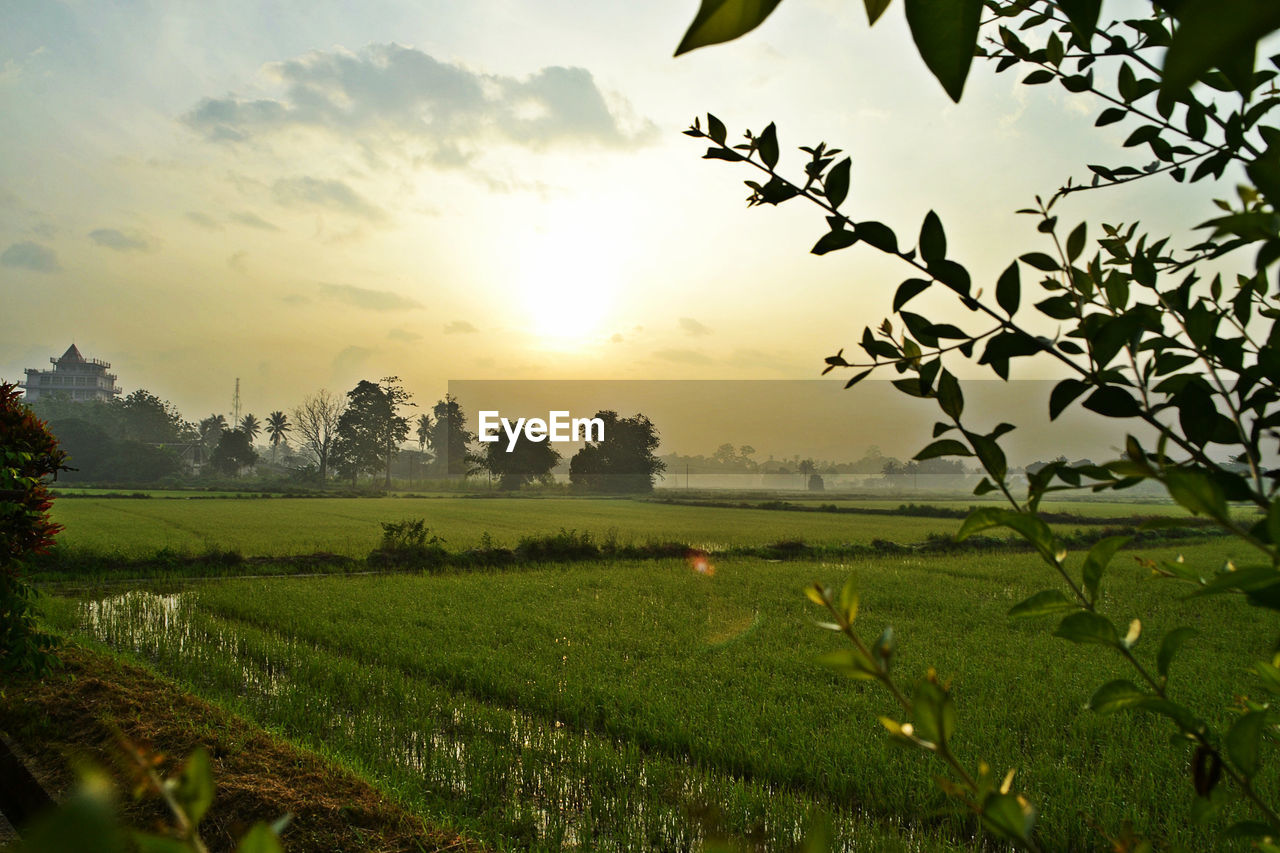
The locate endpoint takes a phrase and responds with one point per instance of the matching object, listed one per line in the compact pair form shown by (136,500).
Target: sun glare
(567,282)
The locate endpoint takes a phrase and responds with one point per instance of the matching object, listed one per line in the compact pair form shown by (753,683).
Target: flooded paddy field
(642,705)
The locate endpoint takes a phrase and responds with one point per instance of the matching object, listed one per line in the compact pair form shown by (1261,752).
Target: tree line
(141,438)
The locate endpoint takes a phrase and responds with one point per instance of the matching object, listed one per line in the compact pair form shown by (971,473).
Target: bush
(28,454)
(409,543)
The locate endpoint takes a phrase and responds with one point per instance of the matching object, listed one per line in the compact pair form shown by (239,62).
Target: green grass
(350,526)
(600,703)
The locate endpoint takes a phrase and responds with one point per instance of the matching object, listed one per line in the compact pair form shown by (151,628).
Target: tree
(210,431)
(371,429)
(423,431)
(623,460)
(316,420)
(450,439)
(527,461)
(277,428)
(28,454)
(1146,335)
(142,416)
(250,426)
(234,453)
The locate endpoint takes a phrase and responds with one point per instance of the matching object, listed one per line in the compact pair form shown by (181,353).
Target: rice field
(635,706)
(351,526)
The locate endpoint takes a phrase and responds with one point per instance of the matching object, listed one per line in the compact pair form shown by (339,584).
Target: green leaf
(1213,32)
(1009,289)
(833,241)
(875,8)
(259,839)
(1008,816)
(1041,261)
(909,289)
(1075,241)
(195,785)
(1063,393)
(943,447)
(836,184)
(1273,521)
(1085,626)
(1083,15)
(850,662)
(1115,696)
(933,240)
(720,21)
(934,716)
(848,601)
(950,398)
(990,455)
(767,145)
(857,378)
(1110,116)
(946,33)
(1114,402)
(1041,604)
(877,234)
(1095,563)
(979,520)
(1244,741)
(716,129)
(1169,647)
(1196,492)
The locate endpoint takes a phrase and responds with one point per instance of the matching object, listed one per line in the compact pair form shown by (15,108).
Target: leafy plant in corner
(1144,335)
(88,821)
(28,454)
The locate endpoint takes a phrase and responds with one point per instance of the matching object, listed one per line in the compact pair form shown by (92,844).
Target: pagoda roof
(72,354)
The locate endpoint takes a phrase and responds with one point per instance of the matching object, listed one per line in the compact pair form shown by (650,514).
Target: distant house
(73,377)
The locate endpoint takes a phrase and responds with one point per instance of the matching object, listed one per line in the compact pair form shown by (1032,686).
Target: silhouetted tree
(233,453)
(277,427)
(250,426)
(371,429)
(449,439)
(623,461)
(526,462)
(316,420)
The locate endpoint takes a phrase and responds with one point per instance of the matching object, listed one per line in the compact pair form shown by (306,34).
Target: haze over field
(308,195)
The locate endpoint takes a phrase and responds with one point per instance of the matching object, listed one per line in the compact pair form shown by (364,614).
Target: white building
(73,377)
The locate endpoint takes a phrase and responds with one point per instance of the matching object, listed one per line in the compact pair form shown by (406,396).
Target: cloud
(121,241)
(253,220)
(238,261)
(392,92)
(616,338)
(204,220)
(459,327)
(335,195)
(364,297)
(683,356)
(31,256)
(693,327)
(404,335)
(350,360)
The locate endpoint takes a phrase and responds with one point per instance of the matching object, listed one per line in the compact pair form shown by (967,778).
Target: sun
(567,280)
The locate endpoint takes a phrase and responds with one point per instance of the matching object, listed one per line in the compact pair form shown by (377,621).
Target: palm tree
(424,434)
(277,426)
(211,429)
(250,426)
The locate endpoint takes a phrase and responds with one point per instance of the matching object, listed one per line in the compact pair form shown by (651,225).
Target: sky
(304,195)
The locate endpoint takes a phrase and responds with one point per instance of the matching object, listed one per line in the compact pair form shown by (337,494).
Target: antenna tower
(235,407)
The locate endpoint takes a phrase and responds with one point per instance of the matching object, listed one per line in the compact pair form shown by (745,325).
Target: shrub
(28,454)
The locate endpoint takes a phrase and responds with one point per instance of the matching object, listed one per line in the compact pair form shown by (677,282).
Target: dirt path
(80,713)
